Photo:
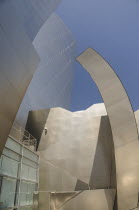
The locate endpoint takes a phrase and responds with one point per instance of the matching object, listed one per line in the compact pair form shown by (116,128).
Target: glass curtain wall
(18,175)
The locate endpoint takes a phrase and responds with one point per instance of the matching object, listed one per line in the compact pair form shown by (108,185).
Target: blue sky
(112,29)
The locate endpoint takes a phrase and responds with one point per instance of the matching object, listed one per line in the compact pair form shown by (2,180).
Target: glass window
(8,189)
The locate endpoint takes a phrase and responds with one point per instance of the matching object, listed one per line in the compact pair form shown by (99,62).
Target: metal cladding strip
(20,21)
(123,125)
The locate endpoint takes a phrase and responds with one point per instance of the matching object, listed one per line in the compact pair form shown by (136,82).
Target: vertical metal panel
(44,201)
(52,178)
(18,62)
(52,82)
(124,129)
(79,144)
(20,21)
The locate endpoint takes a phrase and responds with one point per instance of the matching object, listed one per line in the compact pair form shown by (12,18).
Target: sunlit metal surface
(51,84)
(83,200)
(53,178)
(76,153)
(124,128)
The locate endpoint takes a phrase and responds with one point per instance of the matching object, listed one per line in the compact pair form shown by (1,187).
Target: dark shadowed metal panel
(36,123)
(18,62)
(124,129)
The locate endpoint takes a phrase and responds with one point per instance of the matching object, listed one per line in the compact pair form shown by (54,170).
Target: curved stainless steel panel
(18,62)
(33,13)
(51,84)
(123,124)
(20,20)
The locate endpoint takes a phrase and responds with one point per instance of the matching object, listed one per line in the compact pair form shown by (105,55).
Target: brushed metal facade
(77,151)
(20,21)
(18,62)
(33,14)
(123,124)
(36,123)
(51,84)
(90,200)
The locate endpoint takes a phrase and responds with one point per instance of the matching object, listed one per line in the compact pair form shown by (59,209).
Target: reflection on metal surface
(124,129)
(76,153)
(92,200)
(20,21)
(18,62)
(52,178)
(83,200)
(51,84)
(58,200)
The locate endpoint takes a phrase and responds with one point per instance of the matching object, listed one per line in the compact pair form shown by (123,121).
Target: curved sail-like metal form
(52,82)
(20,20)
(123,125)
(33,13)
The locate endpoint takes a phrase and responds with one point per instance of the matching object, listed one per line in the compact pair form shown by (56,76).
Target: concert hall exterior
(52,158)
